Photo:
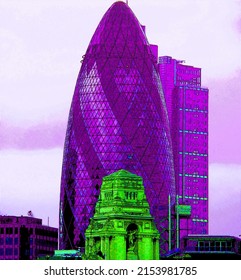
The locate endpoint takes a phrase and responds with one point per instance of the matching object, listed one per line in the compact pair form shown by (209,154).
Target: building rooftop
(19,220)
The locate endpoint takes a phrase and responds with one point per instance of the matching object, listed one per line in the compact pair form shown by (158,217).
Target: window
(1,252)
(201,245)
(218,246)
(206,245)
(229,245)
(9,231)
(16,230)
(212,246)
(9,241)
(1,230)
(9,251)
(131,195)
(223,246)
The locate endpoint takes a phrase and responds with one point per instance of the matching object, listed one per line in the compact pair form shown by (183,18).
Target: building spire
(127,2)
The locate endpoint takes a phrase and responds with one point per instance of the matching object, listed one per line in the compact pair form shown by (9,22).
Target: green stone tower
(122,227)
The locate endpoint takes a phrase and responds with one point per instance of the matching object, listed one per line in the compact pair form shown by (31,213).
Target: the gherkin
(118,120)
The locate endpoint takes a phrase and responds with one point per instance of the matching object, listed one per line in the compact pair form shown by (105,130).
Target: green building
(122,227)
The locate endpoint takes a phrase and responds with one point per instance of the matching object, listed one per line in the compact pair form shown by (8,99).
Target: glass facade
(118,120)
(187,105)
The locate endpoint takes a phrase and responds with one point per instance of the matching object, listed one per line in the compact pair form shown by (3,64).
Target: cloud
(21,59)
(238,25)
(42,43)
(200,32)
(37,84)
(225,199)
(34,8)
(41,136)
(31,181)
(224,119)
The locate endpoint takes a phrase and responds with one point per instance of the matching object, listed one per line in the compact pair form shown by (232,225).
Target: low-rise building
(26,238)
(211,247)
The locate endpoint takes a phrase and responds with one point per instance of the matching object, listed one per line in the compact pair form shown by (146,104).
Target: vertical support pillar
(156,249)
(119,248)
(87,246)
(147,253)
(107,248)
(169,224)
(102,244)
(177,224)
(139,246)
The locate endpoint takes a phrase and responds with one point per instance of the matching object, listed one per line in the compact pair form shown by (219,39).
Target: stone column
(139,246)
(156,249)
(91,245)
(118,251)
(147,248)
(102,244)
(107,247)
(87,246)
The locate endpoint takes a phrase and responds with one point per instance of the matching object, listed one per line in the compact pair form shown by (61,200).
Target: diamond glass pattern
(118,120)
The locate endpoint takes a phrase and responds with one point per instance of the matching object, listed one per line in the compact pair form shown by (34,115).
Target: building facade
(210,247)
(118,120)
(187,105)
(25,238)
(122,227)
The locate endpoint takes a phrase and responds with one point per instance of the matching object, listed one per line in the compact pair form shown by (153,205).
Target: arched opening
(131,240)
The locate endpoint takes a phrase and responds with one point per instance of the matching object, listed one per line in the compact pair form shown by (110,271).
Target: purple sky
(41,45)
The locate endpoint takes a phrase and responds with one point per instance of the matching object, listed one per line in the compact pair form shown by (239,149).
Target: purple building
(187,105)
(118,120)
(25,238)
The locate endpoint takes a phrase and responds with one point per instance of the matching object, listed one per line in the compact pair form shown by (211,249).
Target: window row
(8,241)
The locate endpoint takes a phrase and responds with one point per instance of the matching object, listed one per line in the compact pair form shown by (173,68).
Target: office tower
(25,238)
(187,105)
(118,120)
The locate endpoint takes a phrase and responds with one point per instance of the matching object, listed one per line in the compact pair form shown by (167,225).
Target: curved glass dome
(118,120)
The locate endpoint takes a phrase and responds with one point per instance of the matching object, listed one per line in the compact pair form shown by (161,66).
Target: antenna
(127,2)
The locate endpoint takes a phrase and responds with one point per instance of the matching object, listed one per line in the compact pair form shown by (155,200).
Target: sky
(41,45)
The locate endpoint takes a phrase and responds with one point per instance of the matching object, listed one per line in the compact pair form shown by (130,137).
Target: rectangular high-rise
(187,106)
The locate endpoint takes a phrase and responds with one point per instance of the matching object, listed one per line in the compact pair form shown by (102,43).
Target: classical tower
(122,227)
(118,120)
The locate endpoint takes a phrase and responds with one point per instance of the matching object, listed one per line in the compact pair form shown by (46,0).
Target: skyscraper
(187,105)
(118,120)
